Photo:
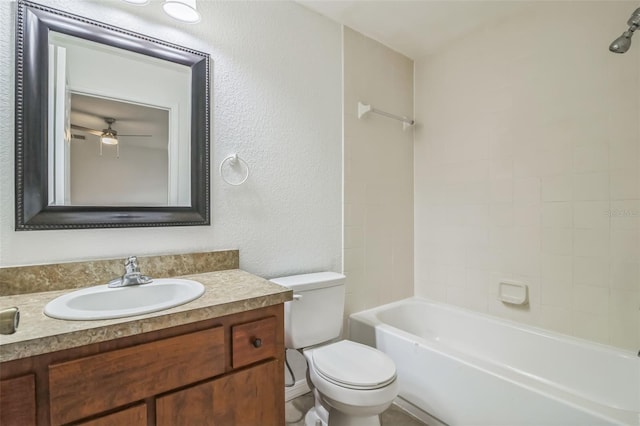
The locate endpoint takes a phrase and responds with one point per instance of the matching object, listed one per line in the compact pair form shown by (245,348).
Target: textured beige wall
(276,71)
(527,168)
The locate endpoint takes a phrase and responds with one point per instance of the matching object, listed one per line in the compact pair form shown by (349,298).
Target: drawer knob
(257,342)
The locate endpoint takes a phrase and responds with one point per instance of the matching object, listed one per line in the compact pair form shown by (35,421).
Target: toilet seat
(354,366)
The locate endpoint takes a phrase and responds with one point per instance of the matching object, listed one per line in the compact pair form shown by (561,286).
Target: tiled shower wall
(527,168)
(378,175)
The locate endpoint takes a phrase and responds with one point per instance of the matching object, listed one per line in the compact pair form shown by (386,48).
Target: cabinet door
(247,397)
(18,401)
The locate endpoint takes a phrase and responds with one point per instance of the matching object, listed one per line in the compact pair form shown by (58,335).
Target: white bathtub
(466,368)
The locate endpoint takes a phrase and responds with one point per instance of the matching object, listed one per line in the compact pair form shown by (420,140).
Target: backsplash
(60,276)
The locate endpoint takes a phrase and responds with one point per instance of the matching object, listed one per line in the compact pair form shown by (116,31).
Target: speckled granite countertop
(226,292)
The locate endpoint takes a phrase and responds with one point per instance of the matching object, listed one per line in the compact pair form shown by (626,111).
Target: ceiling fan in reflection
(108,136)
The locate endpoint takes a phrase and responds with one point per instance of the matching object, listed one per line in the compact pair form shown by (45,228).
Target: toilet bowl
(352,383)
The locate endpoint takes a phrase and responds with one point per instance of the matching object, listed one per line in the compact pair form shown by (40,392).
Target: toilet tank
(316,312)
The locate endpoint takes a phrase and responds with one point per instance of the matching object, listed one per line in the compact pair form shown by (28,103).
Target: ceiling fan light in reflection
(109,136)
(109,139)
(137,2)
(182,10)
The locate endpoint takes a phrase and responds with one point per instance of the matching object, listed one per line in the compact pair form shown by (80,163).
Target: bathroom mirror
(97,143)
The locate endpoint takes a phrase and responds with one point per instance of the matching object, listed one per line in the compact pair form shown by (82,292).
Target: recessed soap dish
(513,292)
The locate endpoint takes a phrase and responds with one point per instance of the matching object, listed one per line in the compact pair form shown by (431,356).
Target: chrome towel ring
(234,162)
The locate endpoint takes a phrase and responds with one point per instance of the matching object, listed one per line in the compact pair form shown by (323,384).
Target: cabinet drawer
(253,341)
(98,383)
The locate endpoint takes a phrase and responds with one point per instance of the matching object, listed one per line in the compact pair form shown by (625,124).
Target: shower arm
(634,20)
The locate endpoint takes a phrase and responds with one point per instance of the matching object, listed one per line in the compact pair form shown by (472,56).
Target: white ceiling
(419,27)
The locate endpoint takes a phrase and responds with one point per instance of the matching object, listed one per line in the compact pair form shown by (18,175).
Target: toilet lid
(353,365)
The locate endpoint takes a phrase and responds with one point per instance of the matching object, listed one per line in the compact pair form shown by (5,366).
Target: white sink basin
(101,302)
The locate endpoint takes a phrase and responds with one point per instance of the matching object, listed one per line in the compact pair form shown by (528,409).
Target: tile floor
(297,408)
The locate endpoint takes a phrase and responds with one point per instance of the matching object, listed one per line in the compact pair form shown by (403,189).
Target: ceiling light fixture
(109,136)
(182,10)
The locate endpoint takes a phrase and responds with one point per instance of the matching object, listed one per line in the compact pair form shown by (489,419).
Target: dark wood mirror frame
(32,209)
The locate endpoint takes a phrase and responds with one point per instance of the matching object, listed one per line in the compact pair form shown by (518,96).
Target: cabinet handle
(257,342)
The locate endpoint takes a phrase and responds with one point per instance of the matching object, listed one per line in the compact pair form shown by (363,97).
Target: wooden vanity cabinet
(226,371)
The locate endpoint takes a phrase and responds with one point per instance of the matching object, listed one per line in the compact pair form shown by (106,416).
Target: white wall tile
(562,169)
(591,158)
(378,181)
(557,160)
(591,214)
(556,319)
(625,184)
(431,290)
(478,257)
(624,154)
(557,215)
(556,294)
(591,242)
(625,333)
(527,215)
(353,259)
(353,237)
(624,318)
(526,162)
(526,191)
(556,272)
(625,244)
(591,186)
(625,274)
(624,304)
(594,300)
(501,191)
(591,327)
(625,214)
(593,271)
(501,215)
(557,188)
(557,241)
(500,167)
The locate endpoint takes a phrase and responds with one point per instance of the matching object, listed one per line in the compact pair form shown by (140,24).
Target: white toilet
(352,383)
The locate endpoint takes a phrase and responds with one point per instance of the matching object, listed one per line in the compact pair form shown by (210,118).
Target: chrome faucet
(132,275)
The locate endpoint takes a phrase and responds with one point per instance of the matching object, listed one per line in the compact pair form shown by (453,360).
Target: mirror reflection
(118,155)
(116,138)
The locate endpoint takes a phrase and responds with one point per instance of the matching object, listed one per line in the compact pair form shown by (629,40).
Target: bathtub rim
(556,335)
(577,400)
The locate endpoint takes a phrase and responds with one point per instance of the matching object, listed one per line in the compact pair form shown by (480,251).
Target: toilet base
(336,418)
(312,418)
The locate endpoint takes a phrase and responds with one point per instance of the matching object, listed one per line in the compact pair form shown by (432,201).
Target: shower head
(623,43)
